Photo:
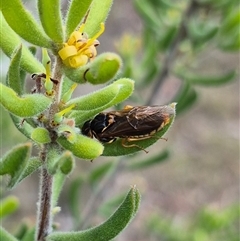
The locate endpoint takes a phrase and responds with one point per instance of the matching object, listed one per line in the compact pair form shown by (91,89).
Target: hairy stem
(44,209)
(44,220)
(57,75)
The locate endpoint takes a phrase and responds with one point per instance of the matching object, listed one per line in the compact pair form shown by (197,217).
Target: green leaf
(91,104)
(14,162)
(41,135)
(201,31)
(21,230)
(8,206)
(66,163)
(230,43)
(23,23)
(23,126)
(110,228)
(29,235)
(58,182)
(148,13)
(167,38)
(198,79)
(231,21)
(117,149)
(83,147)
(75,14)
(52,159)
(8,44)
(98,13)
(25,106)
(60,161)
(74,200)
(229,34)
(33,165)
(185,97)
(107,208)
(66,85)
(51,19)
(13,77)
(6,235)
(149,162)
(101,70)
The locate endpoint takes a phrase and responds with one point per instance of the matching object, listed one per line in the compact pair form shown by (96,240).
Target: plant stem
(44,219)
(44,209)
(57,75)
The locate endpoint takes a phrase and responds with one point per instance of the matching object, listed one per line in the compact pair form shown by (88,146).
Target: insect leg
(132,145)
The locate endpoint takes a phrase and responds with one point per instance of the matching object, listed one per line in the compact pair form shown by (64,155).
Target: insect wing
(141,120)
(148,116)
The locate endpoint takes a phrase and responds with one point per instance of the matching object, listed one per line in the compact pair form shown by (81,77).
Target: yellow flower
(79,49)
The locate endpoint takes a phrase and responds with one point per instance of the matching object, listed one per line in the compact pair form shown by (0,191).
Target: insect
(130,124)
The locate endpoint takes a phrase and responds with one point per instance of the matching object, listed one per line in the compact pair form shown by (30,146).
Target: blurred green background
(194,193)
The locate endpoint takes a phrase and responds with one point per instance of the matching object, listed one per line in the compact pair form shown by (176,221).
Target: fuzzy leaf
(110,228)
(64,162)
(24,106)
(103,68)
(58,182)
(75,14)
(51,19)
(67,163)
(41,135)
(33,165)
(8,44)
(98,13)
(8,206)
(111,204)
(52,160)
(23,23)
(13,77)
(117,149)
(5,235)
(23,126)
(91,104)
(14,162)
(100,71)
(83,147)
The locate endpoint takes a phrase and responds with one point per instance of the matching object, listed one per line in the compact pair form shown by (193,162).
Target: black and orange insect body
(130,124)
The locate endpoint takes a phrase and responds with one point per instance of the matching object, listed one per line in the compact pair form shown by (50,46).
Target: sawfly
(130,124)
